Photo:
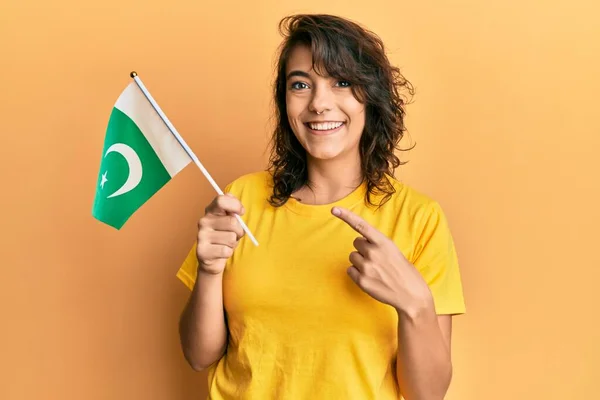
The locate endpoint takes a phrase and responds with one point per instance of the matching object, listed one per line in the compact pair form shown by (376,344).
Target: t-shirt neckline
(320,210)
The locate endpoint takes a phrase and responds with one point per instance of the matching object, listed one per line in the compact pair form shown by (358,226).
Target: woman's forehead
(301,59)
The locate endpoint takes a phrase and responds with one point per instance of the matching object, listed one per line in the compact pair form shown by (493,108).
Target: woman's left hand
(380,269)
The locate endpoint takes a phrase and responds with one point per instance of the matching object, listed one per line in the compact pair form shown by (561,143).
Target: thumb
(242,209)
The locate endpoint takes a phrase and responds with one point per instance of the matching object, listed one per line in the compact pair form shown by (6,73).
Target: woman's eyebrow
(298,73)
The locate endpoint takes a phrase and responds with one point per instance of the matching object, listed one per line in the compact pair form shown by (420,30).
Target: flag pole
(187,149)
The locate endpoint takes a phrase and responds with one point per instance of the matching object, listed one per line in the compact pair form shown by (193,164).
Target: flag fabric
(139,157)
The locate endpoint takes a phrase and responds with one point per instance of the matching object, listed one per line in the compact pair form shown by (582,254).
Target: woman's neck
(330,181)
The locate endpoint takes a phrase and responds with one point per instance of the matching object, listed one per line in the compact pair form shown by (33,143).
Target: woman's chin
(325,153)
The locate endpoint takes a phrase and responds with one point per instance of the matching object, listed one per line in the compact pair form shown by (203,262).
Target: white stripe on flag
(134,104)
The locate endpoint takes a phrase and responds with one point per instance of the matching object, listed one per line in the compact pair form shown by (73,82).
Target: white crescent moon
(135,167)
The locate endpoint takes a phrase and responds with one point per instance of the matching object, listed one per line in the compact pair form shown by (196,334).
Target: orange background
(506,125)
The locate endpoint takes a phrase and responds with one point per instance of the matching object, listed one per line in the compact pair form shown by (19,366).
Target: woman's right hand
(219,233)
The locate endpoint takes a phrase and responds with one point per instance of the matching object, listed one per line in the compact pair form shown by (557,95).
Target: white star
(103,180)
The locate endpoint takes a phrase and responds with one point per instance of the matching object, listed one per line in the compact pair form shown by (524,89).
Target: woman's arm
(202,328)
(423,364)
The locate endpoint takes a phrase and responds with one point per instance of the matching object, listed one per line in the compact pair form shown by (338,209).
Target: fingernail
(336,211)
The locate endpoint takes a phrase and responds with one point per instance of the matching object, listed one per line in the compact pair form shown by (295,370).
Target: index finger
(358,224)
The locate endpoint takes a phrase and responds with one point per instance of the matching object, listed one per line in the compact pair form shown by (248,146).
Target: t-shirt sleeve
(188,271)
(436,258)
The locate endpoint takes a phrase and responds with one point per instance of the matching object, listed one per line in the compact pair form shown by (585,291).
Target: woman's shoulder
(258,182)
(408,199)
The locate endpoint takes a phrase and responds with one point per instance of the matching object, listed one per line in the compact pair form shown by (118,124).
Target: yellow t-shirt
(299,328)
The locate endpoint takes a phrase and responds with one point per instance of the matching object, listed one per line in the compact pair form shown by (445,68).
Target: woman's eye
(344,84)
(299,85)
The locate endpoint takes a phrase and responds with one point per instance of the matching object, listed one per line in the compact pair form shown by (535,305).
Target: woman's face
(324,114)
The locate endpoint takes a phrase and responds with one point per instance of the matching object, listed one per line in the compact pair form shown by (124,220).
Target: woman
(351,291)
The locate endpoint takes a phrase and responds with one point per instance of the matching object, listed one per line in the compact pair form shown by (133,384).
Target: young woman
(351,292)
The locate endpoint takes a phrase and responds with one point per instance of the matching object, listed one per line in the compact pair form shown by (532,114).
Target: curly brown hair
(344,50)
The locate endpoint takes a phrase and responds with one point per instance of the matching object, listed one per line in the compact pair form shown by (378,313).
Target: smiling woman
(352,291)
(322,111)
(327,60)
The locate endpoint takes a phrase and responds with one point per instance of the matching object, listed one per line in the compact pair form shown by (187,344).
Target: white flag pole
(187,149)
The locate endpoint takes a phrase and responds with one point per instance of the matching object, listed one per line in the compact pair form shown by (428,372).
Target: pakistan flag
(139,157)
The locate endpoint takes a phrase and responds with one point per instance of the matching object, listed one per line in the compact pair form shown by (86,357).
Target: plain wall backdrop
(505,120)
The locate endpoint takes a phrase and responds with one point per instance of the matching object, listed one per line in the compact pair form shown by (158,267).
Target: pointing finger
(358,224)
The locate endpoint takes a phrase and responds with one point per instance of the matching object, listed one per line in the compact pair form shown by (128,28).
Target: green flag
(139,157)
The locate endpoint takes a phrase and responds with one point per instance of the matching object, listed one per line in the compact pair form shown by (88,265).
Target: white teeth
(324,126)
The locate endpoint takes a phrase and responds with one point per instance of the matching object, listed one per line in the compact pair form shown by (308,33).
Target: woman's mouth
(324,128)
